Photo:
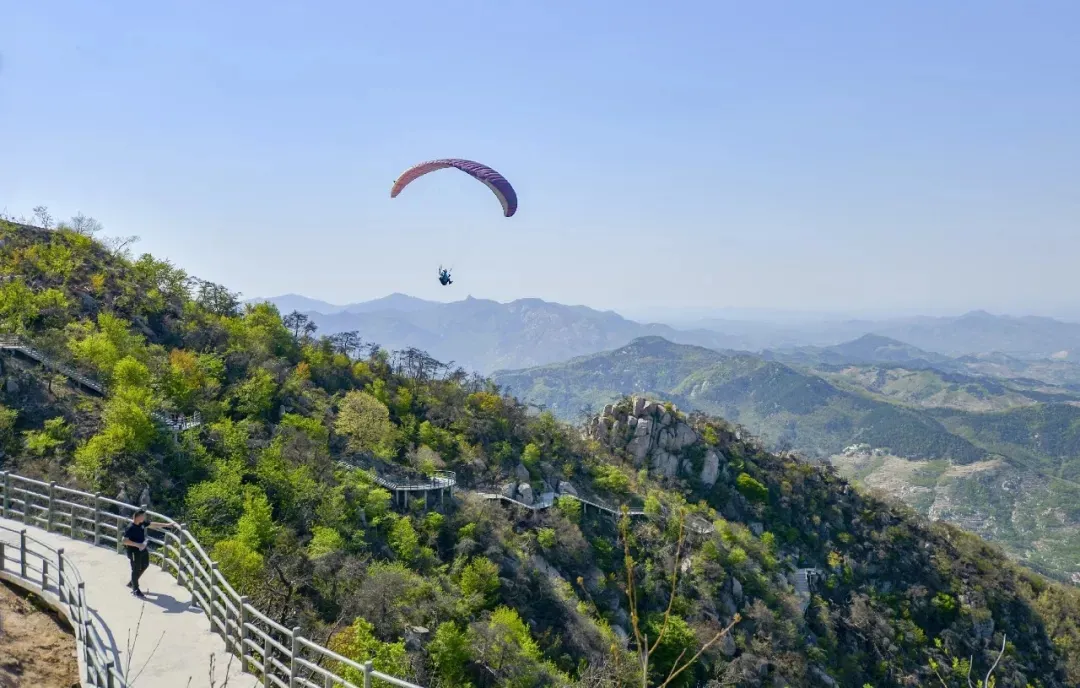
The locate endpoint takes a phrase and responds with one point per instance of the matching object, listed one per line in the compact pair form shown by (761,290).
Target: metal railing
(16,344)
(695,523)
(547,500)
(438,480)
(282,656)
(32,564)
(176,423)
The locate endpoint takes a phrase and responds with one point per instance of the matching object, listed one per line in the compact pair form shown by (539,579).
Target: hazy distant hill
(971,333)
(979,331)
(870,348)
(781,404)
(1028,373)
(486,335)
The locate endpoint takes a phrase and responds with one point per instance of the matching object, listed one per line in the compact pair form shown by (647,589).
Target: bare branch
(986,682)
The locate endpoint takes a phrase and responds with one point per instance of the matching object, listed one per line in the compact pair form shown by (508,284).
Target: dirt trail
(37,647)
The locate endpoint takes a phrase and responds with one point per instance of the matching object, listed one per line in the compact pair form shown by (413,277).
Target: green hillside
(782,405)
(508,597)
(905,431)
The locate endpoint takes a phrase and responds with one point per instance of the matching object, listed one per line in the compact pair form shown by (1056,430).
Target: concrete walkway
(173,647)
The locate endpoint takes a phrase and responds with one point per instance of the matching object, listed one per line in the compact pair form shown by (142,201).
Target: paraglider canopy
(490,178)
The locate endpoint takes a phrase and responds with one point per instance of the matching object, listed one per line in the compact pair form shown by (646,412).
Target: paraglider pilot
(444,276)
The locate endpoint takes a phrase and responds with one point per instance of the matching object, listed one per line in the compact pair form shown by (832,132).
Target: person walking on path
(135,541)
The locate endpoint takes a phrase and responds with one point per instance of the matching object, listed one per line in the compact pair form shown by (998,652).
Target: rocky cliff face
(656,435)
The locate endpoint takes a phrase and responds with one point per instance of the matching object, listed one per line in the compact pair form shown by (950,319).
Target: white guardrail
(282,656)
(48,572)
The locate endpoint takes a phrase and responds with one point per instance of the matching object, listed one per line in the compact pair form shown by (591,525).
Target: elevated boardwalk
(176,423)
(805,581)
(163,641)
(440,483)
(191,620)
(546,500)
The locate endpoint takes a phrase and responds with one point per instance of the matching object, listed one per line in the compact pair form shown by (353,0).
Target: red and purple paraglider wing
(492,179)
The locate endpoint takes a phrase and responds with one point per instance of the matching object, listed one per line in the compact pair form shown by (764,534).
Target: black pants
(140,561)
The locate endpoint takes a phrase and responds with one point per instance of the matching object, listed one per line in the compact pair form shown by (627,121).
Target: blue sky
(831,155)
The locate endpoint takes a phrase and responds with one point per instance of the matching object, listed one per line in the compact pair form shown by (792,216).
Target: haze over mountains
(487,335)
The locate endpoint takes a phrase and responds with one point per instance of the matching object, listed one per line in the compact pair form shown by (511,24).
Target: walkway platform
(174,646)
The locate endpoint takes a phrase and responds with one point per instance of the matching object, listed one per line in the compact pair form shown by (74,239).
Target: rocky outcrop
(521,472)
(710,471)
(525,494)
(654,435)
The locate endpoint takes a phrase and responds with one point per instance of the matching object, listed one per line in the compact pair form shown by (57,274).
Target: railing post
(108,675)
(44,574)
(183,575)
(97,519)
(7,494)
(294,666)
(85,618)
(243,626)
(1,556)
(22,553)
(367,674)
(49,520)
(210,602)
(119,534)
(60,574)
(268,665)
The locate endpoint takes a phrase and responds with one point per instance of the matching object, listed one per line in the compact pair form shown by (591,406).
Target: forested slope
(484,594)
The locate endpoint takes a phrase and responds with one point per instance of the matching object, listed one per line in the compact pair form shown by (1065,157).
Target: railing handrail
(16,343)
(70,589)
(439,479)
(264,646)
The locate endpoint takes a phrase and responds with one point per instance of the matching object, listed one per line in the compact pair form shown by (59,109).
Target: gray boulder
(525,493)
(710,471)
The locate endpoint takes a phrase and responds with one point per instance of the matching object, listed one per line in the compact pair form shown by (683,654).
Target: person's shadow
(169,604)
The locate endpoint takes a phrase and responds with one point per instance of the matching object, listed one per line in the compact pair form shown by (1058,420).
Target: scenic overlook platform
(160,642)
(194,629)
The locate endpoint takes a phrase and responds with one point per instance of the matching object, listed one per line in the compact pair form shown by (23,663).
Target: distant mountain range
(486,335)
(998,456)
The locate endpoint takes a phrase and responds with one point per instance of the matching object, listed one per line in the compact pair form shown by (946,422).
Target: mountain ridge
(486,335)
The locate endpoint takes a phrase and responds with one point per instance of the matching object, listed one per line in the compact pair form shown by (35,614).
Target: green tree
(56,434)
(358,643)
(105,344)
(256,527)
(324,541)
(7,426)
(364,421)
(569,508)
(241,565)
(480,577)
(21,307)
(129,426)
(255,397)
(530,457)
(404,540)
(502,643)
(751,488)
(450,653)
(610,478)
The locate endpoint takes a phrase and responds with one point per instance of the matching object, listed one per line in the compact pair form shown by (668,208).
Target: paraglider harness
(444,277)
